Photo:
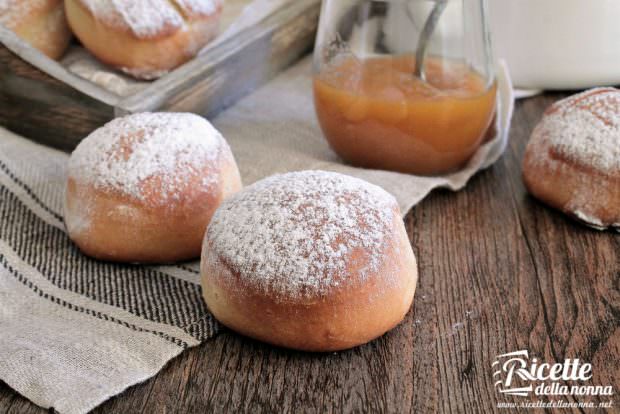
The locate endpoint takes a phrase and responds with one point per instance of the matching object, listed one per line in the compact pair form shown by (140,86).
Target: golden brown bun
(41,23)
(144,38)
(143,188)
(311,275)
(572,161)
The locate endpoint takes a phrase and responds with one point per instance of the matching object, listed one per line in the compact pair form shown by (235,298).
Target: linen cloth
(75,331)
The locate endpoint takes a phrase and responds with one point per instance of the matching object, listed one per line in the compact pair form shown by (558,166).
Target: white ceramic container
(558,44)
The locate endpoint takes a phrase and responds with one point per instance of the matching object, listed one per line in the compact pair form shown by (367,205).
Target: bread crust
(578,188)
(346,316)
(42,23)
(142,56)
(111,226)
(588,196)
(124,203)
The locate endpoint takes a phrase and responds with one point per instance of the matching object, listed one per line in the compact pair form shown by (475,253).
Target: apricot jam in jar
(376,114)
(377,109)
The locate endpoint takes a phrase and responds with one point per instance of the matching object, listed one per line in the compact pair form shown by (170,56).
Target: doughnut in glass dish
(41,23)
(143,188)
(572,162)
(311,260)
(144,38)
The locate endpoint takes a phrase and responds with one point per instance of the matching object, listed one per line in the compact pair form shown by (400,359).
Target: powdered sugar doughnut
(572,161)
(145,38)
(143,188)
(41,23)
(310,260)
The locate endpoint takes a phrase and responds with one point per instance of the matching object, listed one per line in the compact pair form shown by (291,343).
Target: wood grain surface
(499,272)
(40,107)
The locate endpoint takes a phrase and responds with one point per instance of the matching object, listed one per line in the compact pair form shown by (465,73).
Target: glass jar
(404,85)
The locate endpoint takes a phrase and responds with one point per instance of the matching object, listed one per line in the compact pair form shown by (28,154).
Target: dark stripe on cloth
(188,269)
(99,315)
(144,292)
(28,190)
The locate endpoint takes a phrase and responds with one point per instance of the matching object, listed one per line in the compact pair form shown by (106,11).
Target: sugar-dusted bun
(143,188)
(145,38)
(41,23)
(572,161)
(311,260)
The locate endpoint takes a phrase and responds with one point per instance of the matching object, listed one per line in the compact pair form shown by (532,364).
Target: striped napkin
(75,331)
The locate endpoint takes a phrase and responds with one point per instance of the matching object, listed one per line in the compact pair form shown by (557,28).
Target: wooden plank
(498,272)
(6,398)
(43,108)
(48,68)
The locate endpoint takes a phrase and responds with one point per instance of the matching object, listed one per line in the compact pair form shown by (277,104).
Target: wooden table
(499,272)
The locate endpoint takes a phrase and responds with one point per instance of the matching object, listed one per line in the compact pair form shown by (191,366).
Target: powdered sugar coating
(147,156)
(198,7)
(148,18)
(585,128)
(12,12)
(300,234)
(593,222)
(573,158)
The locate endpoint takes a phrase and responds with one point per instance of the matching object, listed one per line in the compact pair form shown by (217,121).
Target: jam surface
(376,114)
